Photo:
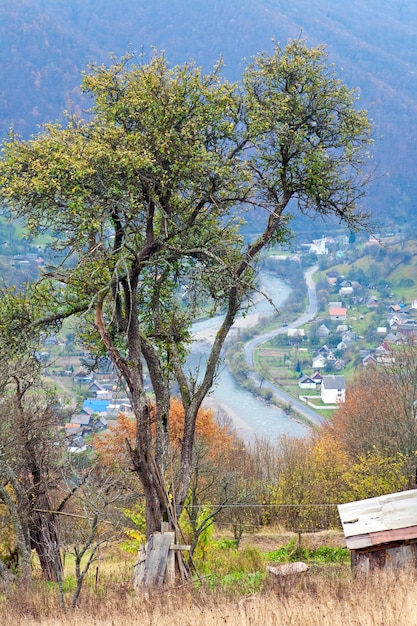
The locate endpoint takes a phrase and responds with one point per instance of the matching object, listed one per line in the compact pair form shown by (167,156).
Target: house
(349,336)
(409,328)
(324,351)
(317,377)
(82,419)
(342,345)
(295,332)
(372,303)
(342,328)
(319,361)
(339,365)
(94,387)
(104,394)
(86,410)
(381,531)
(319,246)
(396,307)
(337,313)
(346,291)
(333,389)
(383,354)
(306,382)
(83,377)
(369,359)
(322,331)
(95,406)
(72,429)
(332,277)
(391,338)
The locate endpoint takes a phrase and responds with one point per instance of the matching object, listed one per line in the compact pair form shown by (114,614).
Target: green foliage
(240,583)
(291,552)
(205,536)
(224,543)
(375,473)
(137,535)
(238,571)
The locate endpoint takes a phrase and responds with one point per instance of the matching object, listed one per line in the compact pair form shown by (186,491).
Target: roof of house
(334,382)
(317,376)
(82,419)
(306,379)
(342,328)
(97,406)
(374,521)
(369,357)
(337,310)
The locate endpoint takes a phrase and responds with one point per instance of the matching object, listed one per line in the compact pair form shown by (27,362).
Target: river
(251,415)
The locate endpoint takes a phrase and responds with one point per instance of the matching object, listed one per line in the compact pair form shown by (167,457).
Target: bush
(324,554)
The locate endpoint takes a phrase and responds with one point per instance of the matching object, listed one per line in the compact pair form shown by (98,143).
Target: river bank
(250,414)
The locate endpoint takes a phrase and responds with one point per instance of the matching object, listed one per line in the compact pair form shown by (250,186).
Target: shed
(381,531)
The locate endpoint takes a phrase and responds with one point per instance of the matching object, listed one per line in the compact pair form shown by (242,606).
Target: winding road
(311,310)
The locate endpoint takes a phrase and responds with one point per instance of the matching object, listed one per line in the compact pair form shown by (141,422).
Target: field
(326,595)
(321,598)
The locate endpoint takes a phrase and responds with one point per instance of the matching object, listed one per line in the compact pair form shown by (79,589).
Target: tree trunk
(44,539)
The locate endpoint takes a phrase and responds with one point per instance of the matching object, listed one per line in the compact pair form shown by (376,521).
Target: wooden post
(170,564)
(156,561)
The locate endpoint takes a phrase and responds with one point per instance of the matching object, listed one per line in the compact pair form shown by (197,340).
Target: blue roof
(98,406)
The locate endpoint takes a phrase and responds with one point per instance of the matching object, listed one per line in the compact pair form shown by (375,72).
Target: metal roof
(334,382)
(379,520)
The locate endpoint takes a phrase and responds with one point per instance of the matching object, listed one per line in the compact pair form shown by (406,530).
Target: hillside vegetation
(45,45)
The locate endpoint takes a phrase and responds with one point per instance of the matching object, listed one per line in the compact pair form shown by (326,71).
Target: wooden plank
(170,568)
(358,541)
(139,568)
(395,534)
(156,559)
(183,548)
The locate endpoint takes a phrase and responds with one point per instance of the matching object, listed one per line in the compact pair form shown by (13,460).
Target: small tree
(29,460)
(146,198)
(92,521)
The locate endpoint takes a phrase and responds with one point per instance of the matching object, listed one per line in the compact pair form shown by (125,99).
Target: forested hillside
(45,45)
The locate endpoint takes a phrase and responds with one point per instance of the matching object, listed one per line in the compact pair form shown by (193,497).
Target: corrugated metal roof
(391,512)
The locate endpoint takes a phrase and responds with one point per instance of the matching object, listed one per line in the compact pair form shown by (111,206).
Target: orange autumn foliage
(113,445)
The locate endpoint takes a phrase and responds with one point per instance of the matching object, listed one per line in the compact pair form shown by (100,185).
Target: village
(357,325)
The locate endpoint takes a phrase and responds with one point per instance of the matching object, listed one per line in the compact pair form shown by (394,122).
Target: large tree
(145,198)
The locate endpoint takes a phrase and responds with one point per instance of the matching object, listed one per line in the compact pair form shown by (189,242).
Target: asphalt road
(311,310)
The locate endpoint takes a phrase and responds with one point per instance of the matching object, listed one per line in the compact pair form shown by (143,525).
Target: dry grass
(325,597)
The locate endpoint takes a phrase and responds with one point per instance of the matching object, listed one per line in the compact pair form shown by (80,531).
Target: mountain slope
(45,45)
